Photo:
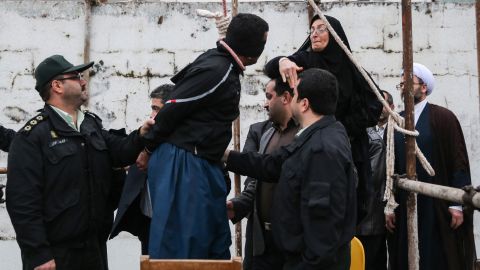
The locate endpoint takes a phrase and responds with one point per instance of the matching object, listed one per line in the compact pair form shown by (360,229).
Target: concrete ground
(123,254)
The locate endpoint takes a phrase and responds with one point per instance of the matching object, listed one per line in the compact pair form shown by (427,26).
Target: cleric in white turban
(425,75)
(445,229)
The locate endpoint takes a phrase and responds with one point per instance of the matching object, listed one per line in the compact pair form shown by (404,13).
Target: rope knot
(470,191)
(222,20)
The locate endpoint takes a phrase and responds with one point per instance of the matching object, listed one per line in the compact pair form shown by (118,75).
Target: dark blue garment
(429,236)
(188,196)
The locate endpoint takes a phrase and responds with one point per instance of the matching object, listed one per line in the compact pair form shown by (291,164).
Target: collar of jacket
(58,124)
(291,124)
(326,120)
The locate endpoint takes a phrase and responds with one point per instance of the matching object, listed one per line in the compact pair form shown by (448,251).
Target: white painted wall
(134,54)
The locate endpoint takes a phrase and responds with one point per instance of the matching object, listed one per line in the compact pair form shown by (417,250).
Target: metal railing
(467,196)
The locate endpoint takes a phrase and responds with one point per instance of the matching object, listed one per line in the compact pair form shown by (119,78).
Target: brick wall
(138,45)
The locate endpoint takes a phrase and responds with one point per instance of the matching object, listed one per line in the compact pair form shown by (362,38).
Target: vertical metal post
(234,8)
(477,15)
(236,146)
(413,257)
(86,41)
(238,226)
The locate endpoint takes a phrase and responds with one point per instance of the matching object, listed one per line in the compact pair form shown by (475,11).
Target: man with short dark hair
(134,207)
(383,119)
(256,199)
(190,135)
(159,96)
(60,174)
(371,229)
(314,207)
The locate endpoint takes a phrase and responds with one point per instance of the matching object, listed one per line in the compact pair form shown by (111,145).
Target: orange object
(357,260)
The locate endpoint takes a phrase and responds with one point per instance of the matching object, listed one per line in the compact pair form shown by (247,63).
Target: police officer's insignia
(57,142)
(33,123)
(53,134)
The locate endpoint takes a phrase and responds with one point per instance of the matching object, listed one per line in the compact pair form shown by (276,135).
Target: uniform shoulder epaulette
(32,123)
(87,112)
(94,116)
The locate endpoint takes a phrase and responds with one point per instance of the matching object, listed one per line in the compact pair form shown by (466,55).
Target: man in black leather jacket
(371,229)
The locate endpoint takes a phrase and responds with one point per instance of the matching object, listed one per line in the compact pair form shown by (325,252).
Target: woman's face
(319,36)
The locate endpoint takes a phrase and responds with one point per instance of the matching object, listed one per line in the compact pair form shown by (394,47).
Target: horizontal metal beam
(460,196)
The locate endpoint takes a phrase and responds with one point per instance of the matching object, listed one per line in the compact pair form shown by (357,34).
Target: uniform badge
(57,142)
(53,134)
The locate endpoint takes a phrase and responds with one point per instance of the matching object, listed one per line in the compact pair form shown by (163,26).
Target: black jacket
(244,205)
(59,182)
(313,213)
(129,216)
(198,117)
(6,138)
(374,221)
(357,106)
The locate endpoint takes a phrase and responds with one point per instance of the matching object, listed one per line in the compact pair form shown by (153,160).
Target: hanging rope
(222,20)
(397,121)
(233,54)
(224,4)
(390,160)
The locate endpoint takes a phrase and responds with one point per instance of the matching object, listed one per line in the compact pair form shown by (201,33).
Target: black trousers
(340,262)
(143,237)
(375,251)
(271,259)
(90,254)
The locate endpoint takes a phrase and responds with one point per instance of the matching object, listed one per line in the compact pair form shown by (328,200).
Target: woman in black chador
(357,107)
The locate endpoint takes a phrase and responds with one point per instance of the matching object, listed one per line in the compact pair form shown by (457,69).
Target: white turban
(424,74)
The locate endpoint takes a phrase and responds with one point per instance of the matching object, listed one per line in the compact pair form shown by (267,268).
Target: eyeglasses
(401,85)
(78,76)
(320,30)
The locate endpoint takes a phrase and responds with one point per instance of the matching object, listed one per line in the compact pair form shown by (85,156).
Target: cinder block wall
(138,45)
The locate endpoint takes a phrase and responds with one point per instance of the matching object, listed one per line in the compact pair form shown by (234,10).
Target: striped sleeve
(190,94)
(204,94)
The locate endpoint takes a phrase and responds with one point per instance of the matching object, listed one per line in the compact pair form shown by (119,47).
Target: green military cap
(53,66)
